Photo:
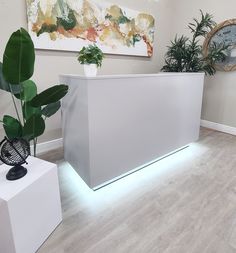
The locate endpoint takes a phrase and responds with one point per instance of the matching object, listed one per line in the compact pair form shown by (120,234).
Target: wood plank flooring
(185,203)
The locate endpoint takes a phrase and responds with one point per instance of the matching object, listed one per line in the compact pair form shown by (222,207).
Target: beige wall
(49,64)
(219,100)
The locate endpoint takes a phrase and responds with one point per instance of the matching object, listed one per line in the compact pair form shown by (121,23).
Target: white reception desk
(115,124)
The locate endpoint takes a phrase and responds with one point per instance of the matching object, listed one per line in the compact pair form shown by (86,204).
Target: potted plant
(91,57)
(186,55)
(15,73)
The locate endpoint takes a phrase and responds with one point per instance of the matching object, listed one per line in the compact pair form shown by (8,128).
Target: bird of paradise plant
(15,72)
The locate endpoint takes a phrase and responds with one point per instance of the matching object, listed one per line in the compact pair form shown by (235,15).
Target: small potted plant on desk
(91,57)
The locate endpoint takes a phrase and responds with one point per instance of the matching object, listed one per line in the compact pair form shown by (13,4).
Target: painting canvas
(72,24)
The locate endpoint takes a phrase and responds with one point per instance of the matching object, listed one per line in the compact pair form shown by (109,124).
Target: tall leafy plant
(186,54)
(32,108)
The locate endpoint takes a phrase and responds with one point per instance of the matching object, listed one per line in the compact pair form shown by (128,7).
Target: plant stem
(21,103)
(17,113)
(35,145)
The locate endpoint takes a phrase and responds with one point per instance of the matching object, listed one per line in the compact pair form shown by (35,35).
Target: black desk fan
(14,153)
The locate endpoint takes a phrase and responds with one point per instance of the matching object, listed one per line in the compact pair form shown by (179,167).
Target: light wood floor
(185,203)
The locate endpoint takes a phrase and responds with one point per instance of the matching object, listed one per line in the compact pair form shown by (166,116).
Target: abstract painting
(71,24)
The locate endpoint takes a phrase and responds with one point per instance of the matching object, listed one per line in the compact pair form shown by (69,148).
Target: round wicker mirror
(224,32)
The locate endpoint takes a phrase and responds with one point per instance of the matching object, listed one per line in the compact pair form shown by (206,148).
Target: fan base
(16,172)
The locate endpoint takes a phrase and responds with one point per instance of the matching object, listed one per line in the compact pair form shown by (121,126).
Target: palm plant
(15,73)
(185,55)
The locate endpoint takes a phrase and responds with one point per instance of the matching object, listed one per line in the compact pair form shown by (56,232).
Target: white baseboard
(47,146)
(218,127)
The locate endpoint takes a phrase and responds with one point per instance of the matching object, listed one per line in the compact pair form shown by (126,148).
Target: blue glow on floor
(157,174)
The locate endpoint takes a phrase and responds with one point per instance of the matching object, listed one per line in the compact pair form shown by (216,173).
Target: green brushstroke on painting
(67,22)
(45,28)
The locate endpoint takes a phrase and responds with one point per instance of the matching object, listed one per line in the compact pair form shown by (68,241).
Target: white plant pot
(90,70)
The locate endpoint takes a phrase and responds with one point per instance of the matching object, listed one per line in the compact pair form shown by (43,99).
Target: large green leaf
(28,110)
(19,57)
(50,95)
(4,85)
(29,90)
(33,127)
(51,109)
(12,127)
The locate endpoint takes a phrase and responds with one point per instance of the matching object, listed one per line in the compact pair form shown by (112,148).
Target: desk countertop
(161,74)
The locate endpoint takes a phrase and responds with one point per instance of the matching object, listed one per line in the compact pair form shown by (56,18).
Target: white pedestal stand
(30,208)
